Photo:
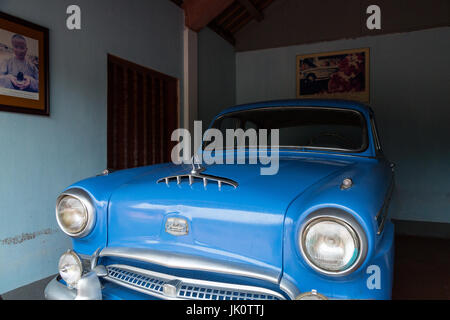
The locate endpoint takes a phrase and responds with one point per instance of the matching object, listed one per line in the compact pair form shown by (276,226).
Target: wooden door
(143,111)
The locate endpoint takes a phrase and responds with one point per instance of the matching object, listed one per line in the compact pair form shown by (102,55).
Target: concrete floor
(32,291)
(421,271)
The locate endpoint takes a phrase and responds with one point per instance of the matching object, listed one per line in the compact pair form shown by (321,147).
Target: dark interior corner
(421,268)
(422,259)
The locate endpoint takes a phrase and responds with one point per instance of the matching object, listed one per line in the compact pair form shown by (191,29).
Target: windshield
(303,127)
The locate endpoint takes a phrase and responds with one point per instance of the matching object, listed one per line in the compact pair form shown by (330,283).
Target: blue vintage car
(317,229)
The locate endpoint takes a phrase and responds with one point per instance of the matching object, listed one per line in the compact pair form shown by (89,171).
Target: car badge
(177,226)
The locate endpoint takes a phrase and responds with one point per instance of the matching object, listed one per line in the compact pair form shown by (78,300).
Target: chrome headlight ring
(86,202)
(343,219)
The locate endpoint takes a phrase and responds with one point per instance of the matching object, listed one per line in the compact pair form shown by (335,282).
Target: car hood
(243,224)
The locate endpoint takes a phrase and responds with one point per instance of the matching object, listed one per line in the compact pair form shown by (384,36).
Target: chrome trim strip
(387,198)
(86,201)
(189,262)
(197,173)
(384,208)
(289,288)
(185,281)
(204,177)
(94,258)
(381,227)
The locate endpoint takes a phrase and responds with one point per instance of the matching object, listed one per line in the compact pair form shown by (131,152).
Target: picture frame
(334,75)
(24,66)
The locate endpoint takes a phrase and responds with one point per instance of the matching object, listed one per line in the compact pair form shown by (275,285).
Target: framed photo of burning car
(24,65)
(335,75)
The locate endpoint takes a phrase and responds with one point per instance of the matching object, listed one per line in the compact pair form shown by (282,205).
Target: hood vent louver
(196,175)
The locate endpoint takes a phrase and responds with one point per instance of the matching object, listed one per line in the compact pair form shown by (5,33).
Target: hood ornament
(197,174)
(199,168)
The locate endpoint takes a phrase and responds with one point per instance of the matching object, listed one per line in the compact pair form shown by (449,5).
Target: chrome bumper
(169,287)
(88,288)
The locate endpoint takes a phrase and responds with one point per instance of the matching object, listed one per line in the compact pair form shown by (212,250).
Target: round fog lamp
(313,295)
(70,268)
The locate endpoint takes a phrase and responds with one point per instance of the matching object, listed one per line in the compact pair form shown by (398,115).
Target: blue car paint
(244,224)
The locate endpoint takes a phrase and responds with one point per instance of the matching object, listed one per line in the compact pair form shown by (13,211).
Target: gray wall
(39,156)
(216,75)
(409,88)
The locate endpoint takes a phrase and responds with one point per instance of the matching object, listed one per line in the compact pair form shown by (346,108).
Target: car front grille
(159,285)
(205,293)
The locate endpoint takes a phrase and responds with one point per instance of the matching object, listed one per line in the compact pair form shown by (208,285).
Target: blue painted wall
(409,88)
(39,156)
(216,75)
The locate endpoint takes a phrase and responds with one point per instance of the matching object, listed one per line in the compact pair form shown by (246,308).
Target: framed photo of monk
(334,75)
(24,66)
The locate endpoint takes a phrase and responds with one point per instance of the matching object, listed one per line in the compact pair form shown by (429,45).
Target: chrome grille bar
(196,174)
(165,286)
(204,178)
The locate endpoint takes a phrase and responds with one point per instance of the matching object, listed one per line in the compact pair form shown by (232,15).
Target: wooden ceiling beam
(228,13)
(223,33)
(235,18)
(242,23)
(199,13)
(252,9)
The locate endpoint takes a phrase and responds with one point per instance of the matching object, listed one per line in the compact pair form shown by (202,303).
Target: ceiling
(225,17)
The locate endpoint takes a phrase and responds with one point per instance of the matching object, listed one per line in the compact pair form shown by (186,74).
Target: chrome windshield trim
(364,147)
(189,262)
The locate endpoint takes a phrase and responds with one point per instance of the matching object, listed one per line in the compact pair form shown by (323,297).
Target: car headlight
(70,268)
(333,244)
(75,213)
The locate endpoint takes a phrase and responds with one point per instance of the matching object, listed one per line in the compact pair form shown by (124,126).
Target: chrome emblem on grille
(177,226)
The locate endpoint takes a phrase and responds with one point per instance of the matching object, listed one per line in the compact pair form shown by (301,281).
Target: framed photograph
(24,65)
(334,75)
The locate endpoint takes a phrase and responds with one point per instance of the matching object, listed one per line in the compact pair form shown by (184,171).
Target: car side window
(250,125)
(229,123)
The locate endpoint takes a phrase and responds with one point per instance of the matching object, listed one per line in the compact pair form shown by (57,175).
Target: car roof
(327,103)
